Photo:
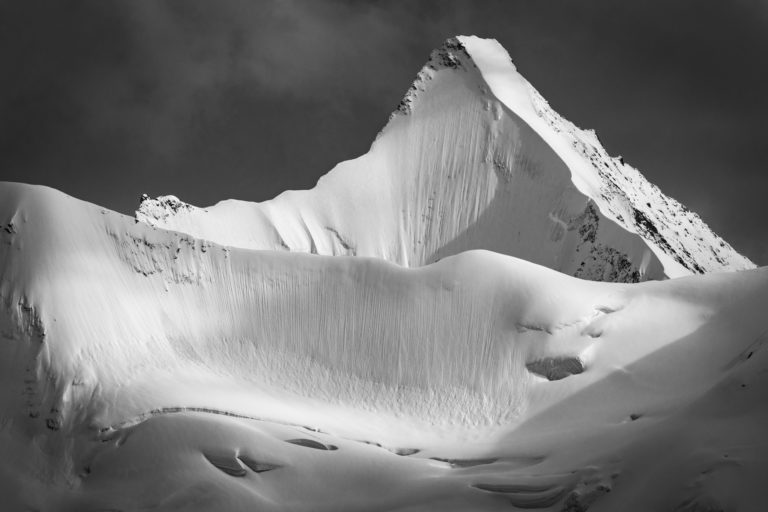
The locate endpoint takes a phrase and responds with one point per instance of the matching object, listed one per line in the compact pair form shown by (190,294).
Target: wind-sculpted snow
(474,158)
(146,368)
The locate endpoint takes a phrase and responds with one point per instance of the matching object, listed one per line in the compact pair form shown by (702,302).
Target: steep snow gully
(475,315)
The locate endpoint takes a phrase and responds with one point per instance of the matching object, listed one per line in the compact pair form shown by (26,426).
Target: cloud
(209,100)
(129,83)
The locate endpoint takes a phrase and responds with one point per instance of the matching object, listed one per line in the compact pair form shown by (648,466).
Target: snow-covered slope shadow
(474,158)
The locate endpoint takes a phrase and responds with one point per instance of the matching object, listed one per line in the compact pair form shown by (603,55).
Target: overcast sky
(211,100)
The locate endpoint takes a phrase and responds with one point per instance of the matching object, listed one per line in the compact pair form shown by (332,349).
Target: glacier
(484,312)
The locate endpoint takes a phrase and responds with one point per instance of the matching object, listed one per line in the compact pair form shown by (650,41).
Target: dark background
(244,99)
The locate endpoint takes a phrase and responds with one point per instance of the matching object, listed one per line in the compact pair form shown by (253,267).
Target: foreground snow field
(381,342)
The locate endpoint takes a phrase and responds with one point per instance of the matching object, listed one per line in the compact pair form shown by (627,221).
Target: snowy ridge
(474,158)
(261,317)
(641,206)
(134,355)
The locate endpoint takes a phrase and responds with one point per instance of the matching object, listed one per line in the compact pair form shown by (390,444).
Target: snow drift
(200,359)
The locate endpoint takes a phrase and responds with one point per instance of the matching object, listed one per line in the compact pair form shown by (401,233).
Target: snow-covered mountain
(474,158)
(166,364)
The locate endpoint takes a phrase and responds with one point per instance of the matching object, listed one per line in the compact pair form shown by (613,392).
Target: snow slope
(144,368)
(474,158)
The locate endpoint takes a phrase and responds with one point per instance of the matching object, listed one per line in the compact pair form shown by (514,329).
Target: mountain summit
(474,158)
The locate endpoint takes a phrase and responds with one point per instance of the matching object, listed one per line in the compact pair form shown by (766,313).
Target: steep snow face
(113,307)
(145,368)
(474,158)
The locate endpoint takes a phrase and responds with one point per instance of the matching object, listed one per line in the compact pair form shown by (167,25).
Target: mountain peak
(475,158)
(451,54)
(456,53)
(619,190)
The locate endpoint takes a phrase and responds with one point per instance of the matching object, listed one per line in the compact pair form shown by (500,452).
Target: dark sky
(244,99)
